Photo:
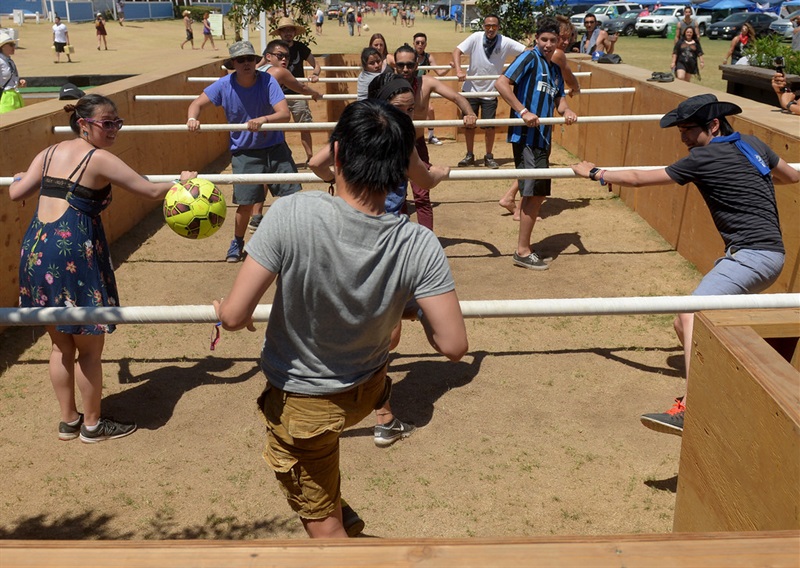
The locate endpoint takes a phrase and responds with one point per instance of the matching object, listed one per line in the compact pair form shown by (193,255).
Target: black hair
(422,35)
(495,16)
(375,141)
(548,25)
(405,48)
(398,86)
(277,43)
(725,128)
(85,107)
(366,53)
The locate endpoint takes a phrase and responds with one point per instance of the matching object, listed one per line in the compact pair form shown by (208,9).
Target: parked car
(782,28)
(333,11)
(603,13)
(732,25)
(659,21)
(625,24)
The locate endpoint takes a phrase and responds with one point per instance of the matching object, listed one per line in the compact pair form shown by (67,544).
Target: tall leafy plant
(518,18)
(247,12)
(763,51)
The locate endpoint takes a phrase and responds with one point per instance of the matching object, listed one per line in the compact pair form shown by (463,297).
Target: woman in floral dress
(64,260)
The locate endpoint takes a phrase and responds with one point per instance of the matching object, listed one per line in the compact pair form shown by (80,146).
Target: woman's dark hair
(366,53)
(86,106)
(387,86)
(374,141)
(385,46)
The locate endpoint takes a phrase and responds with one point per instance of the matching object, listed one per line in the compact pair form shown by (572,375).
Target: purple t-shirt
(246,103)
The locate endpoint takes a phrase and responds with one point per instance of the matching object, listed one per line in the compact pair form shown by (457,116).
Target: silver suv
(603,13)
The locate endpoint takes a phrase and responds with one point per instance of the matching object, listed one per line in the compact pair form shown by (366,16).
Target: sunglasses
(490,26)
(115,124)
(405,64)
(280,56)
(245,59)
(589,22)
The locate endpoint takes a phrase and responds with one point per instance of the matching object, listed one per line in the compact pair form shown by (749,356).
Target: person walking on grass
(187,25)
(328,372)
(65,260)
(735,174)
(60,40)
(533,81)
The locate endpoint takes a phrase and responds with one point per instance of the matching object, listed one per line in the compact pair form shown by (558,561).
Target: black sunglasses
(245,59)
(405,64)
(280,56)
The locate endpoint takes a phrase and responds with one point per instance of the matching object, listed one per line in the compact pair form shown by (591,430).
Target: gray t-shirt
(344,280)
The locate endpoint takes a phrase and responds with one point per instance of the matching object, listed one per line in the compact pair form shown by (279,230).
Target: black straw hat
(700,109)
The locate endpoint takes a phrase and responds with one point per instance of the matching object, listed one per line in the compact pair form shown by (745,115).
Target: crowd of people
(353,257)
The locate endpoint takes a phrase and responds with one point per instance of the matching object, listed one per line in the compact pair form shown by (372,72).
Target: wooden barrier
(777,549)
(740,456)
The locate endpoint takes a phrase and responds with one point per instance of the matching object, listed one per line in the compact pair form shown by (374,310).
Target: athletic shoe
(388,434)
(669,422)
(68,431)
(353,524)
(433,140)
(107,429)
(532,262)
(469,160)
(235,252)
(255,221)
(488,161)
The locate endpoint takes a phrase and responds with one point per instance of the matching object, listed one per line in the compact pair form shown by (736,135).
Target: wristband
(602,178)
(191,119)
(522,112)
(788,106)
(16,179)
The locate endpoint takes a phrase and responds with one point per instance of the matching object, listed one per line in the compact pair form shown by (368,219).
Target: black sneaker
(107,429)
(532,262)
(388,434)
(669,422)
(469,160)
(67,431)
(488,161)
(353,524)
(255,221)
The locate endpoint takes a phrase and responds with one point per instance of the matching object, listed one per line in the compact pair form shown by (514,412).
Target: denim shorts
(273,160)
(303,440)
(741,271)
(528,157)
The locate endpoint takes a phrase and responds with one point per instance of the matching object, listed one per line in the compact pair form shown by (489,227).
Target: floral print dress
(66,263)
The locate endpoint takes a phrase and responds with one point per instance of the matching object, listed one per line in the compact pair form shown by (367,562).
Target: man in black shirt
(735,175)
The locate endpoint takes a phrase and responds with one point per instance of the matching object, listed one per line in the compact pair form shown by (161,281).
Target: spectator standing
(100,29)
(739,43)
(350,18)
(299,53)
(487,52)
(60,40)
(532,80)
(319,19)
(687,56)
(10,83)
(187,25)
(688,21)
(249,96)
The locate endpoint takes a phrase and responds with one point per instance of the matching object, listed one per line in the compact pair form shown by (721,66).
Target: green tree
(518,18)
(246,12)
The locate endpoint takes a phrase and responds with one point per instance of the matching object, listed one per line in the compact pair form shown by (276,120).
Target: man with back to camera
(534,82)
(487,52)
(346,271)
(734,174)
(405,60)
(249,96)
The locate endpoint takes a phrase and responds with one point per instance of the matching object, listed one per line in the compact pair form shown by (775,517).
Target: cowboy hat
(186,12)
(287,22)
(6,38)
(239,49)
(700,109)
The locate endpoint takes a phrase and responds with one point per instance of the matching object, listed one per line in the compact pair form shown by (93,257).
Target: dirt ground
(535,432)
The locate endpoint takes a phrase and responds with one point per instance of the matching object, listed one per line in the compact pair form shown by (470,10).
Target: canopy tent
(727,5)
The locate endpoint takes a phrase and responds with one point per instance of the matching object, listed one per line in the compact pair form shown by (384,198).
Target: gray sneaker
(67,431)
(532,262)
(107,429)
(488,161)
(353,524)
(388,434)
(669,422)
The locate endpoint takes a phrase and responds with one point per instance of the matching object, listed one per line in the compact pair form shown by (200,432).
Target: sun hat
(69,92)
(186,12)
(287,22)
(6,38)
(239,49)
(700,109)
(99,15)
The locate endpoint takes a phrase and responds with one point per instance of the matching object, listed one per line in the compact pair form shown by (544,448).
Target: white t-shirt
(479,64)
(60,33)
(320,15)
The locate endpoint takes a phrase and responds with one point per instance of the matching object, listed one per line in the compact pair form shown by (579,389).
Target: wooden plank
(740,457)
(767,323)
(779,549)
